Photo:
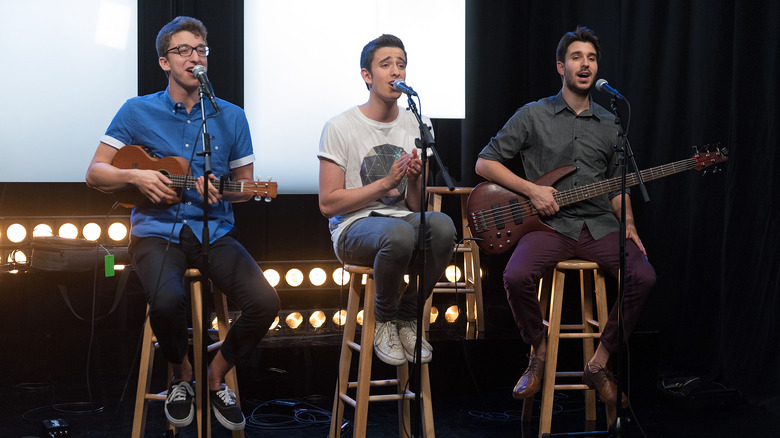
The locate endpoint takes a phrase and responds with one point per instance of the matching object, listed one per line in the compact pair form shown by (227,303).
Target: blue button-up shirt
(166,129)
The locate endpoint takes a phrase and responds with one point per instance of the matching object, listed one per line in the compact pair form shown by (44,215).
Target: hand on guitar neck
(175,173)
(499,217)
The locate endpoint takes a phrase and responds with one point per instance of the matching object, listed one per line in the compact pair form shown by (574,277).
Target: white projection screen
(69,66)
(302,66)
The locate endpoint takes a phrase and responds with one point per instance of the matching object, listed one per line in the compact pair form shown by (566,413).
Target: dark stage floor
(55,366)
(471,380)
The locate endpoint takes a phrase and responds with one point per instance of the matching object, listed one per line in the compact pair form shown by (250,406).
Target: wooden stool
(472,283)
(147,359)
(364,383)
(551,292)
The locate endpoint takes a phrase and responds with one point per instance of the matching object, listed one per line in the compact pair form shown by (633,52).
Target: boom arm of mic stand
(426,141)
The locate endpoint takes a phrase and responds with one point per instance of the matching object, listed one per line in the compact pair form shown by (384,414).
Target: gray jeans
(389,245)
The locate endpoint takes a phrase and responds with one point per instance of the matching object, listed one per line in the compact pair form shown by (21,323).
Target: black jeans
(231,269)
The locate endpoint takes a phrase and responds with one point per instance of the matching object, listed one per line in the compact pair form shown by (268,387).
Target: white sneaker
(407,331)
(387,345)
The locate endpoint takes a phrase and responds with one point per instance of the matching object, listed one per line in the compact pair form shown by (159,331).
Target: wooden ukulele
(177,170)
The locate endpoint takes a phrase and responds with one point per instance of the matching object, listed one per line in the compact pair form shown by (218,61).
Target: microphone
(400,85)
(603,85)
(200,72)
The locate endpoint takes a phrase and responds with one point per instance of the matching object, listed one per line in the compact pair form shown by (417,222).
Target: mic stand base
(615,430)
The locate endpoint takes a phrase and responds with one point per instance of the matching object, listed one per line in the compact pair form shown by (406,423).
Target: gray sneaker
(387,345)
(407,331)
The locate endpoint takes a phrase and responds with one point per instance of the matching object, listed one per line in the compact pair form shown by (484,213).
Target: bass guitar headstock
(709,157)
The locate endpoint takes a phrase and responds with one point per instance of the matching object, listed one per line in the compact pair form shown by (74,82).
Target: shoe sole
(182,422)
(389,360)
(229,425)
(410,357)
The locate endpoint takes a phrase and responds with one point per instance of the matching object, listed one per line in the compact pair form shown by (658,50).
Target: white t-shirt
(365,150)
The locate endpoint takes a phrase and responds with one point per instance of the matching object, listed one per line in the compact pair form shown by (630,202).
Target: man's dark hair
(582,33)
(385,40)
(177,25)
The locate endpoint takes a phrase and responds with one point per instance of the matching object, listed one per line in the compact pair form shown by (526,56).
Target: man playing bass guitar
(568,128)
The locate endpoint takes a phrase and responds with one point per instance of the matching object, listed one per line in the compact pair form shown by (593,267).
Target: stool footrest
(579,335)
(354,345)
(453,289)
(379,398)
(387,382)
(571,387)
(462,248)
(568,374)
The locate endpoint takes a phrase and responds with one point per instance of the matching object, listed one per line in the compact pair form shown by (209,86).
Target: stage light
(434,314)
(91,231)
(43,230)
(451,314)
(17,256)
(117,231)
(360,317)
(68,231)
(274,324)
(406,278)
(273,277)
(317,318)
(340,317)
(452,273)
(294,277)
(317,276)
(16,232)
(340,276)
(294,320)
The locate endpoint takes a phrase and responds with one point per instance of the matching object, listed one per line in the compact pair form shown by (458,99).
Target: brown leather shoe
(604,382)
(531,381)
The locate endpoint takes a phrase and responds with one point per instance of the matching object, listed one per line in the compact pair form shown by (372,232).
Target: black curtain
(695,73)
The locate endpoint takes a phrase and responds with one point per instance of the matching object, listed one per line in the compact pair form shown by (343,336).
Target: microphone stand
(204,272)
(624,152)
(425,142)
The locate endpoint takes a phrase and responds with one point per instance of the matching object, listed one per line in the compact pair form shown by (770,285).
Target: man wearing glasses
(167,230)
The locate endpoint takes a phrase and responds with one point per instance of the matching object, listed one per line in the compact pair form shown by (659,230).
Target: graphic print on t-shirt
(376,165)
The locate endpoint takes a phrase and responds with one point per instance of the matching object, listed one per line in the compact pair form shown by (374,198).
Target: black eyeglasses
(186,50)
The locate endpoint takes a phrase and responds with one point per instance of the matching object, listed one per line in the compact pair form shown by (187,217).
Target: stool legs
(345,357)
(551,289)
(366,357)
(201,389)
(364,383)
(548,385)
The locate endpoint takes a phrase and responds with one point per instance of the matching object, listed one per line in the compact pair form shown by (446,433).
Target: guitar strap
(120,291)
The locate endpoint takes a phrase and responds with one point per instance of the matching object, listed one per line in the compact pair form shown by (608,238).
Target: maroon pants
(540,250)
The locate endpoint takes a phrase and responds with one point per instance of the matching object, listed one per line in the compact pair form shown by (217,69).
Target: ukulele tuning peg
(695,149)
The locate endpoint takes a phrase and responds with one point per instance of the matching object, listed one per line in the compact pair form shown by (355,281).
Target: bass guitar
(178,171)
(499,217)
